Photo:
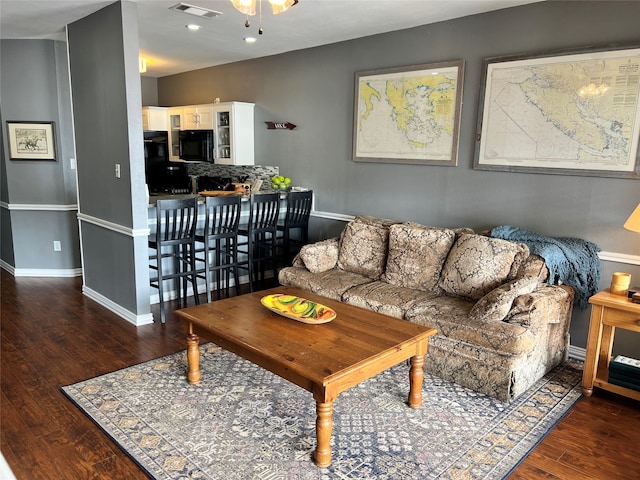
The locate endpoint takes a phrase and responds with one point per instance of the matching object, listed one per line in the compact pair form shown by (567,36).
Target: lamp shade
(279,6)
(248,7)
(633,222)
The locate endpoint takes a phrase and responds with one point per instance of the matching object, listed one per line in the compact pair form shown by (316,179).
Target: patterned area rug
(242,422)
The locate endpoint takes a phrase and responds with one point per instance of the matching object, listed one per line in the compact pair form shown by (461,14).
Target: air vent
(195,10)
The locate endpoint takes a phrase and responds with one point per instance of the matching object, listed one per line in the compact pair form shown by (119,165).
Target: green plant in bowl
(281,183)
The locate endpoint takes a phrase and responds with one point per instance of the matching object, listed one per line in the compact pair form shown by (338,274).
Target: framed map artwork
(575,113)
(31,141)
(408,114)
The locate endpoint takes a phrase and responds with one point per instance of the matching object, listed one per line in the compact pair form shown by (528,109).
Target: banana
(310,311)
(299,307)
(287,299)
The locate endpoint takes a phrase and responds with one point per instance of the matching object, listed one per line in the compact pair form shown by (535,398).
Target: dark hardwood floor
(52,335)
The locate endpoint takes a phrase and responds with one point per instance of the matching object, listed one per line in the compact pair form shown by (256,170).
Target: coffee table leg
(324,425)
(193,358)
(416,375)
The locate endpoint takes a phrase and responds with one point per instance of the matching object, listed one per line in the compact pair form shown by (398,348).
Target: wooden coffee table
(324,359)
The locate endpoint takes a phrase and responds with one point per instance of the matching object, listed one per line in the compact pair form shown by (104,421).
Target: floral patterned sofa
(500,325)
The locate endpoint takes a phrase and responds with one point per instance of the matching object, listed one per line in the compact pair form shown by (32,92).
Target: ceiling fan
(248,7)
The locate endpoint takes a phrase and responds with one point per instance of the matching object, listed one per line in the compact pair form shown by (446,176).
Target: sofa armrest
(546,304)
(319,256)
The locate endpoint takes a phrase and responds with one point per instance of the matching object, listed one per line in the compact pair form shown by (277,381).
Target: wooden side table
(608,312)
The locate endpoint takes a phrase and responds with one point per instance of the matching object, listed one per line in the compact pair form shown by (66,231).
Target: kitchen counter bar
(151,220)
(154,197)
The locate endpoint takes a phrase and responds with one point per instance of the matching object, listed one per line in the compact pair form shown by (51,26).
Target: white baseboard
(48,272)
(619,258)
(577,353)
(39,207)
(41,272)
(137,320)
(9,268)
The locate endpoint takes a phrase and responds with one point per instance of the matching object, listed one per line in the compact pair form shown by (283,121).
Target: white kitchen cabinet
(155,118)
(175,123)
(234,132)
(197,117)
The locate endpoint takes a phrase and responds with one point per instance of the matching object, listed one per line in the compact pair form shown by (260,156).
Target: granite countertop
(154,197)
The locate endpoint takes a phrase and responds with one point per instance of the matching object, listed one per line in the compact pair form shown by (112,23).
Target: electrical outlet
(56,246)
(117,170)
(72,162)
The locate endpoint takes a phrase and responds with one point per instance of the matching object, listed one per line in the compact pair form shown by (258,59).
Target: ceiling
(170,48)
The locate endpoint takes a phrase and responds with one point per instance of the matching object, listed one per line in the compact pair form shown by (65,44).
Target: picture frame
(567,113)
(408,114)
(31,140)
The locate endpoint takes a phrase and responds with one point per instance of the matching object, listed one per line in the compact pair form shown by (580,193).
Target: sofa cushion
(384,298)
(460,230)
(416,255)
(320,256)
(496,304)
(369,220)
(363,249)
(534,266)
(450,316)
(477,264)
(331,284)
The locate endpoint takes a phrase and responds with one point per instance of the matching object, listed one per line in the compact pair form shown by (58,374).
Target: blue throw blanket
(572,261)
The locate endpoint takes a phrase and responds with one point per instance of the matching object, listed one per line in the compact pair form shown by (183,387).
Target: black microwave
(197,145)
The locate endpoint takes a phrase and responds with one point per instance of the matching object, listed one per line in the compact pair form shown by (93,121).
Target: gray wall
(314,89)
(38,197)
(103,58)
(149,87)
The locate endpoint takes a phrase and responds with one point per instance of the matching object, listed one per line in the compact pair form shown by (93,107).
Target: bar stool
(296,218)
(220,240)
(261,231)
(174,239)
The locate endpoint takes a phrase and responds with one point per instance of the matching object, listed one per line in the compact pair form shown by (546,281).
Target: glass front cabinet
(234,133)
(175,121)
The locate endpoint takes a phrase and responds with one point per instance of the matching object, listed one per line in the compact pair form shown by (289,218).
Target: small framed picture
(31,141)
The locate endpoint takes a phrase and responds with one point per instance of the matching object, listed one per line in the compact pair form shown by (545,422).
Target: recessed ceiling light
(193,27)
(250,39)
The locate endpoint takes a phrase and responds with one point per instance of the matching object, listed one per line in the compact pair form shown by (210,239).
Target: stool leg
(207,269)
(218,268)
(250,265)
(194,276)
(236,270)
(287,247)
(223,262)
(160,282)
(179,279)
(258,256)
(274,254)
